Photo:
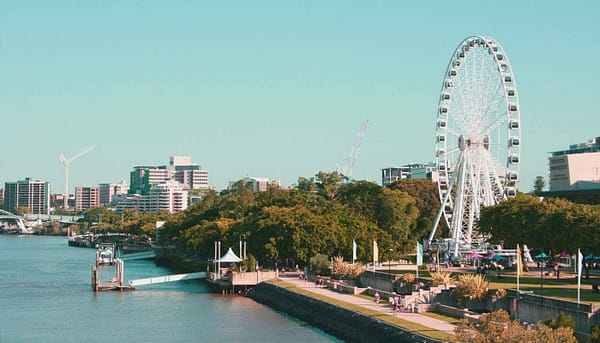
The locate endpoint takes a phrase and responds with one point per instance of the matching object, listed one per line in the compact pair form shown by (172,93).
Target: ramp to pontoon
(167,278)
(139,255)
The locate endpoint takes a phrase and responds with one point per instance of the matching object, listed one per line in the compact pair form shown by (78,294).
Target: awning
(229,256)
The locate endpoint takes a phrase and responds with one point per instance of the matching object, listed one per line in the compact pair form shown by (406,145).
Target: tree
(21,210)
(328,183)
(319,264)
(539,184)
(306,185)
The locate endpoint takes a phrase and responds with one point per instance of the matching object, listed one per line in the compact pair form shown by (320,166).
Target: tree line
(551,224)
(319,216)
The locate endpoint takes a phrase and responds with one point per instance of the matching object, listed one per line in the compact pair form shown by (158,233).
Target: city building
(180,169)
(34,195)
(166,196)
(577,168)
(108,191)
(190,175)
(86,197)
(144,177)
(410,171)
(255,184)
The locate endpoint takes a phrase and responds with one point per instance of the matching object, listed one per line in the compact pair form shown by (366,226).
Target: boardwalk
(420,319)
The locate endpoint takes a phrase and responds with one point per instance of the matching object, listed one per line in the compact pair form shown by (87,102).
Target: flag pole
(518,266)
(579,267)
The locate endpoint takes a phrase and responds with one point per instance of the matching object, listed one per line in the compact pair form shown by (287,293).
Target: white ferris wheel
(477,138)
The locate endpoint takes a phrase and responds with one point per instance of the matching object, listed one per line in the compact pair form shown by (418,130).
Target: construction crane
(346,170)
(65,162)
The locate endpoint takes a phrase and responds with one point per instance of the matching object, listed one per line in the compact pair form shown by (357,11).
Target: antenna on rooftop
(65,162)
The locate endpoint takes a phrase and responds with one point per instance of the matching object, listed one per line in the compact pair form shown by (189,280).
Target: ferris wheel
(477,138)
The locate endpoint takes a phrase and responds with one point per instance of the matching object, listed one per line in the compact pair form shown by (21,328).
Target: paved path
(433,323)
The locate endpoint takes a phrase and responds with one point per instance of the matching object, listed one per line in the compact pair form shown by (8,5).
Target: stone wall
(347,325)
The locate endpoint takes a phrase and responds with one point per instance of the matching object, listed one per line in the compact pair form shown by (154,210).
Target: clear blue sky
(273,89)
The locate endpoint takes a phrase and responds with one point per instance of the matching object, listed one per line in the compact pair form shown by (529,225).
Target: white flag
(375,252)
(353,250)
(419,254)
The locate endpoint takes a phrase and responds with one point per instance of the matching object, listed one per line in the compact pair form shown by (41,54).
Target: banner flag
(375,252)
(419,254)
(579,269)
(354,250)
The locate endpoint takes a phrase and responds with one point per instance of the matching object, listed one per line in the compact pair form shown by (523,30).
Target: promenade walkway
(429,322)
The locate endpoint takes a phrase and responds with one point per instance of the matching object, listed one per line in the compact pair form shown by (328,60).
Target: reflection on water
(45,296)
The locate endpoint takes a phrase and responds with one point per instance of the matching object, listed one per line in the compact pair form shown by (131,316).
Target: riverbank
(345,321)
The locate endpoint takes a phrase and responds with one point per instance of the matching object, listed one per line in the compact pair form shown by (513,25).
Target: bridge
(23,229)
(66,219)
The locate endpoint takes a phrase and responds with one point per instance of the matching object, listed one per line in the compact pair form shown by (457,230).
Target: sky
(274,89)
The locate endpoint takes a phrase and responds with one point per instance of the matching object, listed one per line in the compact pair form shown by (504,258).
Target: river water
(46,296)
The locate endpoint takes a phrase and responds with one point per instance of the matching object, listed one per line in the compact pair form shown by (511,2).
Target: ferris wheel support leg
(439,215)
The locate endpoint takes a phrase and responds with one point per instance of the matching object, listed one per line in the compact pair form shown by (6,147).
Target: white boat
(105,254)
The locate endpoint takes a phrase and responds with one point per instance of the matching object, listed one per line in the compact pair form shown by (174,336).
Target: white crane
(65,162)
(348,167)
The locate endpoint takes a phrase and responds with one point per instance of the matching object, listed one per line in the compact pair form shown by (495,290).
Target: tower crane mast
(65,162)
(349,163)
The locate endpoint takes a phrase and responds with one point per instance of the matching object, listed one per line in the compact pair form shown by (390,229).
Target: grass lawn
(408,325)
(445,317)
(564,288)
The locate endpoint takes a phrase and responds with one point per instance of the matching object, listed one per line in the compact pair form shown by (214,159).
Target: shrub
(471,286)
(442,278)
(595,334)
(409,277)
(319,264)
(345,269)
(563,320)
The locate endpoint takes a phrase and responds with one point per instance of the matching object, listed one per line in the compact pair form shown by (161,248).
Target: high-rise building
(168,196)
(144,177)
(181,169)
(577,168)
(86,197)
(34,195)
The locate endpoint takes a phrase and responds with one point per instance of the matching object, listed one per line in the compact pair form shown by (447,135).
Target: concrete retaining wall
(347,325)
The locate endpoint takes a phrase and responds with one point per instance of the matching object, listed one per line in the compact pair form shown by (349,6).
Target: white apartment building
(180,168)
(166,196)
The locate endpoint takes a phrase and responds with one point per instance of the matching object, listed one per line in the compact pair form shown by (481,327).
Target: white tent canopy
(229,256)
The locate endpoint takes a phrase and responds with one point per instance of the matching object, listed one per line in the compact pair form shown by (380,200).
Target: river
(46,296)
